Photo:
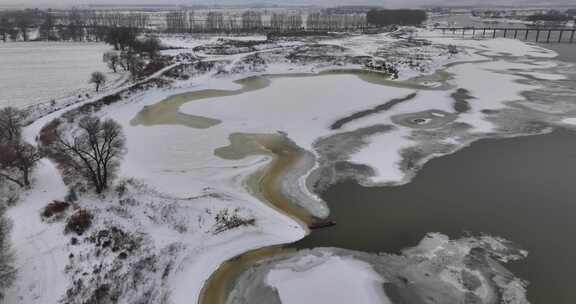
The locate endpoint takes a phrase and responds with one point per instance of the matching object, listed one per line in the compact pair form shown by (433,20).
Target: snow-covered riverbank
(356,125)
(437,269)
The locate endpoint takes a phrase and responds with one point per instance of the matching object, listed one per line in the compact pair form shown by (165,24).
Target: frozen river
(36,72)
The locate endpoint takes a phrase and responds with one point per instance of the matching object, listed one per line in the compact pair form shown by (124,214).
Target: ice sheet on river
(438,270)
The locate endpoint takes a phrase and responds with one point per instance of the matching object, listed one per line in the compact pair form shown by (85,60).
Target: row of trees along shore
(73,25)
(90,25)
(553,16)
(253,21)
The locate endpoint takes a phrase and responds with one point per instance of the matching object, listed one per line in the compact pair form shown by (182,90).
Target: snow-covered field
(38,72)
(340,118)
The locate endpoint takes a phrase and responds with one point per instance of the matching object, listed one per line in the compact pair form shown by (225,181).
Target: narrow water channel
(522,189)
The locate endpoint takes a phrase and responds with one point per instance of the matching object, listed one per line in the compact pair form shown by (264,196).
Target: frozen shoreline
(182,163)
(465,270)
(485,131)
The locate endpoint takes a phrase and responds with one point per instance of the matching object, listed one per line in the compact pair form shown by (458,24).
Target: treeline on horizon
(386,17)
(90,25)
(254,21)
(73,25)
(553,16)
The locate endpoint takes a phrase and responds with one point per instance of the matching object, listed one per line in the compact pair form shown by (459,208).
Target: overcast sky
(387,3)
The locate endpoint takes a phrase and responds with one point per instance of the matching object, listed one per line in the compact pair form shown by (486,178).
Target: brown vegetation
(226,220)
(55,209)
(79,222)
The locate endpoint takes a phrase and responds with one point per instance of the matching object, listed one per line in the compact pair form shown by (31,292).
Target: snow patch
(328,280)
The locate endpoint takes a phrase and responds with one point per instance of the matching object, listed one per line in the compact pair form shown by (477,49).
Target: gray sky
(387,3)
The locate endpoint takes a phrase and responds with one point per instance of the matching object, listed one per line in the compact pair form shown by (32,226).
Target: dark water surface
(522,189)
(566,52)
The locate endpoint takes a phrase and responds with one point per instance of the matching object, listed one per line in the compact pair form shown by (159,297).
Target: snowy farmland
(38,72)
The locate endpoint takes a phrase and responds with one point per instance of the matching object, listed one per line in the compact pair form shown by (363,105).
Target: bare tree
(96,150)
(98,79)
(17,160)
(11,120)
(135,65)
(149,46)
(112,59)
(121,38)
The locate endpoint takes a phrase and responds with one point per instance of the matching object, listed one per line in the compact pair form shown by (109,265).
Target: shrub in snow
(55,210)
(226,220)
(125,185)
(48,132)
(79,222)
(115,239)
(11,198)
(452,49)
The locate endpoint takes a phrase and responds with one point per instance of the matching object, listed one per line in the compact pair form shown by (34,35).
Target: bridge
(547,35)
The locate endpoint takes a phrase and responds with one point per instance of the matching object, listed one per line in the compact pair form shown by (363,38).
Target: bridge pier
(526,35)
(560,36)
(505,31)
(515,34)
(537,35)
(572,36)
(548,37)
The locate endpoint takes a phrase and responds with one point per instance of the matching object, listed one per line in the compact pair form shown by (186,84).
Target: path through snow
(40,248)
